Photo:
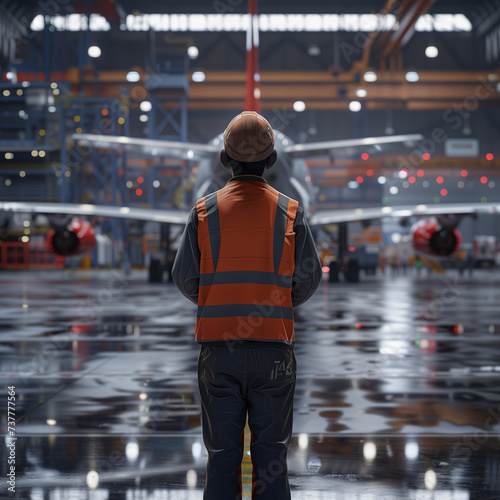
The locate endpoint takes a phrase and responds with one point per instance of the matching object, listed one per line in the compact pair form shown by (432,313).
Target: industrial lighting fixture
(370,76)
(94,51)
(314,50)
(381,180)
(361,93)
(355,106)
(412,76)
(198,76)
(193,52)
(145,106)
(431,52)
(143,118)
(133,76)
(299,106)
(393,190)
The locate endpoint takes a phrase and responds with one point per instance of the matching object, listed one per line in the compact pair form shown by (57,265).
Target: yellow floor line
(246,464)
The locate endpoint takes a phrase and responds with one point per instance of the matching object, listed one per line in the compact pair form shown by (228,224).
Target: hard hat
(248,138)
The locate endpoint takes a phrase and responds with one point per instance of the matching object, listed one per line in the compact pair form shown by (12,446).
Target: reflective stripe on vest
(247,247)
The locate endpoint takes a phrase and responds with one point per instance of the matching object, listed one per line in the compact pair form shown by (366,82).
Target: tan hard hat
(249,137)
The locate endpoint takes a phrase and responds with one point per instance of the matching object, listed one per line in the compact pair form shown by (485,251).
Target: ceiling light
(314,50)
(299,106)
(193,52)
(198,76)
(412,76)
(133,76)
(431,51)
(370,76)
(94,51)
(145,106)
(355,106)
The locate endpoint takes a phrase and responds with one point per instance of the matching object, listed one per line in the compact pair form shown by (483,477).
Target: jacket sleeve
(186,268)
(308,271)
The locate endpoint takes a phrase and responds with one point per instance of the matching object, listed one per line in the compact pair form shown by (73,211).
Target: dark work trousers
(260,380)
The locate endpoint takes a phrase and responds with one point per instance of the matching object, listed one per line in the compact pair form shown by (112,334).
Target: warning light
(325,269)
(359,326)
(359,179)
(464,173)
(140,179)
(426,156)
(489,156)
(369,172)
(138,192)
(411,179)
(365,156)
(443,192)
(420,173)
(439,180)
(104,112)
(352,249)
(484,179)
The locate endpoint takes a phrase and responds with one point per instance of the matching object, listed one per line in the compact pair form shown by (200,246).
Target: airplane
(290,175)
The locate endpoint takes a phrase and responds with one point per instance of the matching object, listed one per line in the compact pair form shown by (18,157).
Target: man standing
(246,258)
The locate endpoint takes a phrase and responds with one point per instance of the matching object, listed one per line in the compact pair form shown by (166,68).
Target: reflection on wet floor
(397,396)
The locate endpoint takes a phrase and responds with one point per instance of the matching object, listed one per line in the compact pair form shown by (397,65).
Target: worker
(247,258)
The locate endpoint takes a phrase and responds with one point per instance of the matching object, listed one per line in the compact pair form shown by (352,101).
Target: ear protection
(227,161)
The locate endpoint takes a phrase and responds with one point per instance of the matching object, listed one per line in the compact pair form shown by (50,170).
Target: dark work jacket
(246,258)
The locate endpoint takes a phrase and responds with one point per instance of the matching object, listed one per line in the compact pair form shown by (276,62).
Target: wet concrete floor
(398,389)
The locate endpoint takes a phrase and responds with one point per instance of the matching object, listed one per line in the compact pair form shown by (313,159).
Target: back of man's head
(248,144)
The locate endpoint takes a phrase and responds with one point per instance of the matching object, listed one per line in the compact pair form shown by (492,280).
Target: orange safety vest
(247,259)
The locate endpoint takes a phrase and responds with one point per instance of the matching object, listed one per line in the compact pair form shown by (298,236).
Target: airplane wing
(320,218)
(144,214)
(326,217)
(324,147)
(154,147)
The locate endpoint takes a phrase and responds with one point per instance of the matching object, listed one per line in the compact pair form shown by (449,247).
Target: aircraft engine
(432,239)
(77,238)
